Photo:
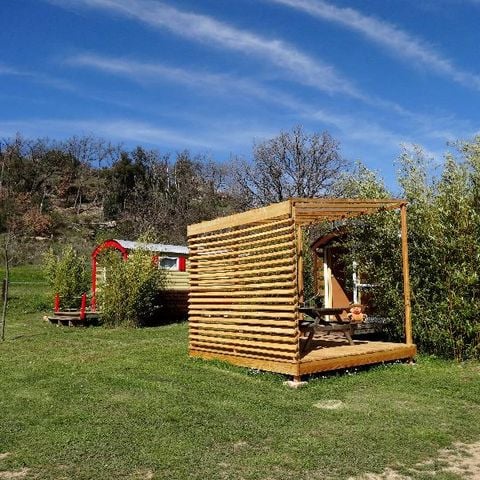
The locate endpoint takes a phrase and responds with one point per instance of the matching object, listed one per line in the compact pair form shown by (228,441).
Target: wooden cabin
(171,258)
(247,289)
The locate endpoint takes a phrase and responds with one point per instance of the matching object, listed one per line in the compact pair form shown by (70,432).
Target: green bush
(444,250)
(67,275)
(131,294)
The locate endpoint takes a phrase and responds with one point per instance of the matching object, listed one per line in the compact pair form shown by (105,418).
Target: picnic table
(319,322)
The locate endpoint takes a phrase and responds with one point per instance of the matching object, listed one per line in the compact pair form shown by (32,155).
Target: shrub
(67,275)
(444,251)
(131,294)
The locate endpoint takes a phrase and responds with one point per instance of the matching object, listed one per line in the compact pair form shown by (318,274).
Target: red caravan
(172,258)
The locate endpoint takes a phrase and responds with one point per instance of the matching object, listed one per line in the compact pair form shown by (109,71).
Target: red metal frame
(103,246)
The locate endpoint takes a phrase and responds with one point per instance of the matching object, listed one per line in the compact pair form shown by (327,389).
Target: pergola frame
(246,285)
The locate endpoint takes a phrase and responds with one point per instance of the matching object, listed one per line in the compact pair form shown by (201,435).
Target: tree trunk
(5,289)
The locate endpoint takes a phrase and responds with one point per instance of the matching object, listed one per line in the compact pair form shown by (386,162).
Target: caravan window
(169,263)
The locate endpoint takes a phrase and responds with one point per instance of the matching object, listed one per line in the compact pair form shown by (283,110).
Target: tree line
(47,187)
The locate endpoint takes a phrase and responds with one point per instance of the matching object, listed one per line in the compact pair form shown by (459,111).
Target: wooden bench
(320,324)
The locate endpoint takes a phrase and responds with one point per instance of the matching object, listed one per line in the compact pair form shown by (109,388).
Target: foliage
(67,275)
(444,250)
(132,292)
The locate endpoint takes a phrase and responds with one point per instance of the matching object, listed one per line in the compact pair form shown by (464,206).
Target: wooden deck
(335,353)
(328,353)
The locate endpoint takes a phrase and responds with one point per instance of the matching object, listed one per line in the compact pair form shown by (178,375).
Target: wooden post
(56,303)
(300,283)
(406,276)
(83,306)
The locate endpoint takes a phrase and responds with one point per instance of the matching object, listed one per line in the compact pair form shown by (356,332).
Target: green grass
(118,404)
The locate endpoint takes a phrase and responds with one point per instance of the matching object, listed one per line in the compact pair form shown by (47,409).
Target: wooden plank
(237,266)
(241,247)
(261,322)
(243,328)
(247,282)
(260,301)
(345,202)
(236,313)
(232,337)
(288,282)
(251,347)
(232,307)
(269,364)
(239,231)
(258,273)
(239,239)
(287,292)
(257,215)
(406,276)
(234,254)
(335,363)
(206,264)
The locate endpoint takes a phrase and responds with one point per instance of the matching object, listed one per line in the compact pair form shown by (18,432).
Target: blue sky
(214,76)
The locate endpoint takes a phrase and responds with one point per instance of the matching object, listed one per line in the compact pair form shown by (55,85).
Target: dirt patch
(143,475)
(461,459)
(237,446)
(329,404)
(10,475)
(4,455)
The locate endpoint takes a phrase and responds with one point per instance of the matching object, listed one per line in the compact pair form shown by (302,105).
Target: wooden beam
(300,282)
(406,276)
(250,217)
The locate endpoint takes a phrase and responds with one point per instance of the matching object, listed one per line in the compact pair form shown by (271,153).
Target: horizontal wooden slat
(287,292)
(245,283)
(242,247)
(233,254)
(236,313)
(256,307)
(252,216)
(215,326)
(239,267)
(247,336)
(239,231)
(270,362)
(259,273)
(245,344)
(259,301)
(261,322)
(205,264)
(280,281)
(239,239)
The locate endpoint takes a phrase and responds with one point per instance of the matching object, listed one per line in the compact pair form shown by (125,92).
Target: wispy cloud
(37,77)
(123,130)
(351,126)
(202,28)
(399,42)
(214,83)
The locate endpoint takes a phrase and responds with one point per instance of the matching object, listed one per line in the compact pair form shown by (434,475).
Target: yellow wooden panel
(252,216)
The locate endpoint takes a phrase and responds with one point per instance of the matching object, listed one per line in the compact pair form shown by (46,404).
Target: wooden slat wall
(176,280)
(243,289)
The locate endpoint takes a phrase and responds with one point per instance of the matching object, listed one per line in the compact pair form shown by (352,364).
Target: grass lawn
(102,403)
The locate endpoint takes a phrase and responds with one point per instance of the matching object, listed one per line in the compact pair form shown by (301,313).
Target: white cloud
(351,126)
(202,28)
(401,43)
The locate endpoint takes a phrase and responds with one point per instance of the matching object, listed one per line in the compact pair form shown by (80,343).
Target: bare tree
(293,164)
(6,259)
